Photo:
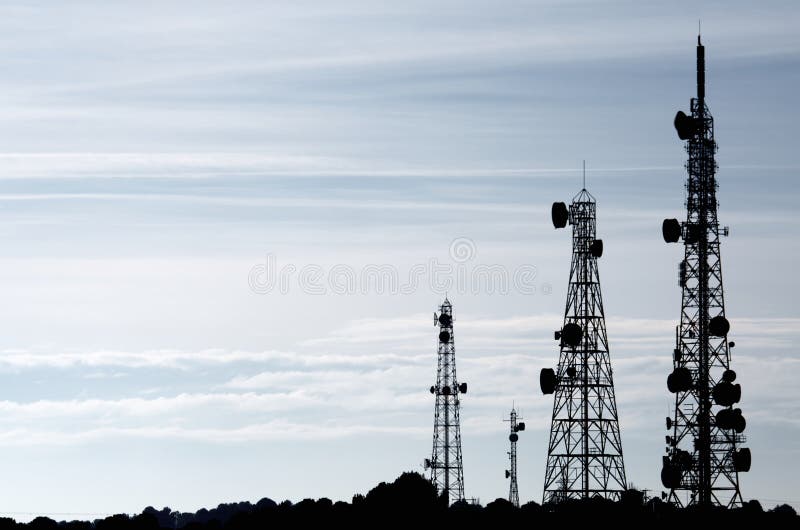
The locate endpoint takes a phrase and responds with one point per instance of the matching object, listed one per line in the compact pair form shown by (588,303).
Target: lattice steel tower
(513,438)
(702,458)
(584,458)
(446,467)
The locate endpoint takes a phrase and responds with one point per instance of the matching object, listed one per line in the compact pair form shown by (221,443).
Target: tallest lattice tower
(584,457)
(703,457)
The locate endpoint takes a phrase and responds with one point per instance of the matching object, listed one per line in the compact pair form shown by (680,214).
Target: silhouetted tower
(584,457)
(447,472)
(513,437)
(702,457)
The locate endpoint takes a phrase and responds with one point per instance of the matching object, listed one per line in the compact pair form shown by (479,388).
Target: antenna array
(702,455)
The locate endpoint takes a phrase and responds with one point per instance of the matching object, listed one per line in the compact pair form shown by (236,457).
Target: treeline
(412,500)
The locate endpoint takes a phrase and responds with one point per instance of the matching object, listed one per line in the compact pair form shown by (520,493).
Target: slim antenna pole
(515,426)
(584,174)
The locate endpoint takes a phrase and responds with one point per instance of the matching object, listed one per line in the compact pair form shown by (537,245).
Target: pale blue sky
(152,154)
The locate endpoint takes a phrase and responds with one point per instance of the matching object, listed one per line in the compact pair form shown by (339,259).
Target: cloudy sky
(193,196)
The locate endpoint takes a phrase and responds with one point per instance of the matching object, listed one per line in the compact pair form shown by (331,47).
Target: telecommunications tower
(584,457)
(702,459)
(447,472)
(513,437)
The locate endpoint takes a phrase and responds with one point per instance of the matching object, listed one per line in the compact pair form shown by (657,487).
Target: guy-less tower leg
(445,464)
(513,437)
(584,457)
(702,457)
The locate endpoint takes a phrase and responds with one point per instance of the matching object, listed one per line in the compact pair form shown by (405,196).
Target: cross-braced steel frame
(446,466)
(584,457)
(701,455)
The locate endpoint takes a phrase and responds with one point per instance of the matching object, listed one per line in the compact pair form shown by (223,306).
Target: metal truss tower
(446,467)
(513,437)
(702,460)
(584,457)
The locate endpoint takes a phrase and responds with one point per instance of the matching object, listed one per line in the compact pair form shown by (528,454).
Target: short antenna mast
(584,174)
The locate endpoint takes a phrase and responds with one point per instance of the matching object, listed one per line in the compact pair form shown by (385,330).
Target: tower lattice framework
(584,457)
(445,464)
(702,462)
(513,437)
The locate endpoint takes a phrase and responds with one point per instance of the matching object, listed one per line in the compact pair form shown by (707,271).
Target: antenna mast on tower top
(584,174)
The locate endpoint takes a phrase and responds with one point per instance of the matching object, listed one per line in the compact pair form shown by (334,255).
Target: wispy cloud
(282,394)
(192,165)
(172,359)
(273,431)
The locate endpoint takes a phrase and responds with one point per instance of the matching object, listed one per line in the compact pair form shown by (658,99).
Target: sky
(224,228)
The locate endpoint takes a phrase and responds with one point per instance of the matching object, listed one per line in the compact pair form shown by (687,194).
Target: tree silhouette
(411,499)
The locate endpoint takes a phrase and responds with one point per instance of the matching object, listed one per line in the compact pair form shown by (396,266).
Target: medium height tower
(703,457)
(584,457)
(447,471)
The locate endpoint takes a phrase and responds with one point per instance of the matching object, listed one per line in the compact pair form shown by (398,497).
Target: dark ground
(411,500)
